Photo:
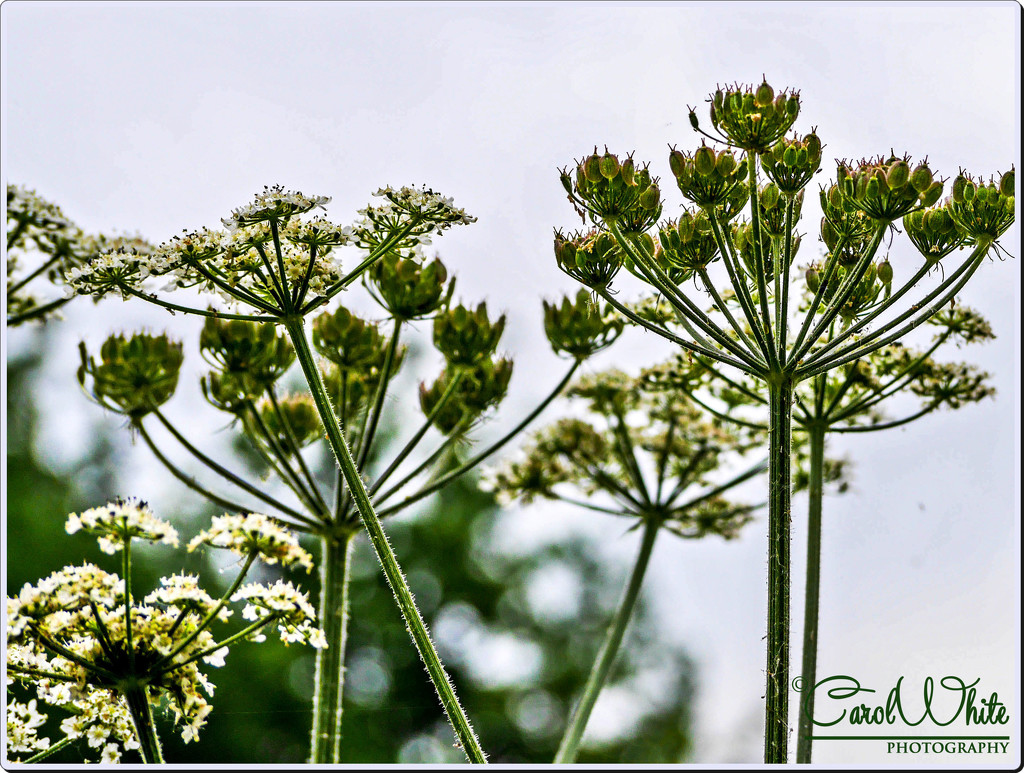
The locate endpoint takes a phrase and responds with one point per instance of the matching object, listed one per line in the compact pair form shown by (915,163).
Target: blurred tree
(518,655)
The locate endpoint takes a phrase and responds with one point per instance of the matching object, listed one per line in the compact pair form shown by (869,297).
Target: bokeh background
(154,117)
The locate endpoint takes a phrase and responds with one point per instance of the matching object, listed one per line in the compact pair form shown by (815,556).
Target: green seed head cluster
(481,387)
(344,339)
(772,206)
(983,211)
(842,220)
(247,357)
(887,188)
(135,374)
(612,190)
(464,336)
(293,418)
(410,288)
(688,243)
(592,258)
(710,180)
(580,327)
(791,163)
(628,428)
(752,118)
(934,232)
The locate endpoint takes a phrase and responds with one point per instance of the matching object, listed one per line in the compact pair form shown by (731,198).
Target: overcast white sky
(153,117)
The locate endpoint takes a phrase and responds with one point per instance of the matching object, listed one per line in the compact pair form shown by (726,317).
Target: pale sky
(154,117)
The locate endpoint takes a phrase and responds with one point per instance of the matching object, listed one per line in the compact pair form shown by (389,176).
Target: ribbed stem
(808,673)
(335,567)
(354,483)
(780,407)
(569,747)
(142,716)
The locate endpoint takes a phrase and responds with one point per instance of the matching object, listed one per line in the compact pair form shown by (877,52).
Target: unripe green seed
(747,105)
(828,234)
(677,162)
(693,120)
(793,106)
(770,196)
(873,188)
(970,190)
(592,169)
(719,99)
(932,195)
(764,95)
(921,178)
(650,198)
(898,176)
(704,160)
(726,163)
(835,197)
(813,279)
(609,166)
(885,272)
(1006,183)
(959,184)
(813,145)
(789,156)
(626,170)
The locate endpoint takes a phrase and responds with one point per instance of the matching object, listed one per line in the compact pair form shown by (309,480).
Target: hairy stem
(569,746)
(142,716)
(354,483)
(808,672)
(335,567)
(776,735)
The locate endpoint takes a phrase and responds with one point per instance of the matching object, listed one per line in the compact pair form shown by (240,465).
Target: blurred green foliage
(519,631)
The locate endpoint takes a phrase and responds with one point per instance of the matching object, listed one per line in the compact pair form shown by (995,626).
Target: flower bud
(408,288)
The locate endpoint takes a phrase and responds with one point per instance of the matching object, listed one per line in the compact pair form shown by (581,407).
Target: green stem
(335,567)
(808,674)
(780,407)
(142,716)
(759,262)
(569,746)
(494,447)
(198,312)
(227,474)
(63,743)
(415,439)
(417,628)
(37,311)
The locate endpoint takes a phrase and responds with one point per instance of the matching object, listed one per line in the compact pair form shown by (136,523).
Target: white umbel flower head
(121,520)
(244,534)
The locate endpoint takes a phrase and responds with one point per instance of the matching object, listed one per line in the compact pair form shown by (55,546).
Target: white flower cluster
(286,603)
(122,520)
(181,592)
(118,271)
(103,719)
(54,603)
(22,723)
(26,206)
(419,211)
(274,203)
(245,534)
(317,230)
